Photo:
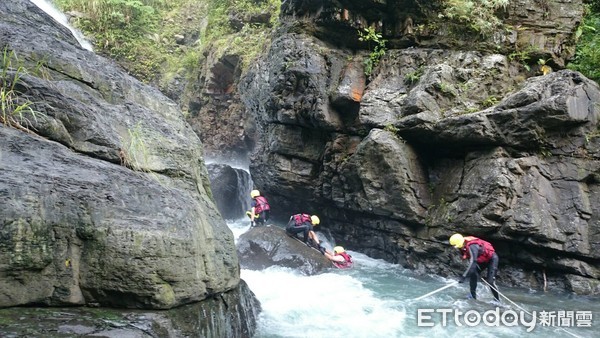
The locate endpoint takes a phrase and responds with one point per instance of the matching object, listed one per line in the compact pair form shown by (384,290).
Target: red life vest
(347,261)
(261,205)
(301,218)
(485,256)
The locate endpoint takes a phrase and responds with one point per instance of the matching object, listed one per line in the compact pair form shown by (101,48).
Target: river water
(376,299)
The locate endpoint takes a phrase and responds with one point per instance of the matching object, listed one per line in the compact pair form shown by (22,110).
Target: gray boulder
(262,247)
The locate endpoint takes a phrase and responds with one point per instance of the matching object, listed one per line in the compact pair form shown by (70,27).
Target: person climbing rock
(304,223)
(260,209)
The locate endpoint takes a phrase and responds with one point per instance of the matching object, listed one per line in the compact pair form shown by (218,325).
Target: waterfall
(230,189)
(49,8)
(244,188)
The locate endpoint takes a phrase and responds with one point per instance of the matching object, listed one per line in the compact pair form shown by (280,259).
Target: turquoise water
(376,299)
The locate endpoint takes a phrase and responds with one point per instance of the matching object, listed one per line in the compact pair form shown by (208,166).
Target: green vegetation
(120,29)
(137,150)
(587,55)
(104,313)
(591,135)
(249,40)
(469,110)
(476,15)
(414,76)
(545,152)
(370,36)
(446,88)
(16,110)
(522,56)
(157,40)
(391,128)
(489,101)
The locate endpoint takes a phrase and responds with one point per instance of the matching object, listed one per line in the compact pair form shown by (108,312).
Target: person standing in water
(481,256)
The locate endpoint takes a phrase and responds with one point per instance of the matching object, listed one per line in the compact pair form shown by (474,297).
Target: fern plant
(414,76)
(370,36)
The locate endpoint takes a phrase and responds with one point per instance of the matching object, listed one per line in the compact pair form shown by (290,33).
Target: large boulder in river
(262,247)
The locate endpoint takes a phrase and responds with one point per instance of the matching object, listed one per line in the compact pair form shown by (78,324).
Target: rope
(436,291)
(515,304)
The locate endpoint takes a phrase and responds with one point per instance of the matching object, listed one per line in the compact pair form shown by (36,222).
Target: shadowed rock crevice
(224,74)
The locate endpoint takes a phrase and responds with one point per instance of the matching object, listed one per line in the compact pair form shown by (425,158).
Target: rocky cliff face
(216,112)
(443,137)
(107,201)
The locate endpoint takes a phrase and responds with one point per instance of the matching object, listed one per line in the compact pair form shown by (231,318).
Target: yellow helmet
(254,193)
(338,249)
(314,220)
(457,241)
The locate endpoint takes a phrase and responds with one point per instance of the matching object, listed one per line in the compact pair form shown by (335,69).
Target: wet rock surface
(105,202)
(230,314)
(262,247)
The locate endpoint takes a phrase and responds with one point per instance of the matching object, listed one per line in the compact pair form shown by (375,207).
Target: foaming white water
(329,304)
(49,8)
(238,227)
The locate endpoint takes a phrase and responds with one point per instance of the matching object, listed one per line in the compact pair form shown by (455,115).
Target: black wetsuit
(474,269)
(292,228)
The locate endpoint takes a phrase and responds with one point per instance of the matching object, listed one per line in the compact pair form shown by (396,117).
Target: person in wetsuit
(340,258)
(260,209)
(303,223)
(481,256)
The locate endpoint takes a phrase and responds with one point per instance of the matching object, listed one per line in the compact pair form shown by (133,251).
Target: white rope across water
(495,289)
(521,308)
(436,291)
